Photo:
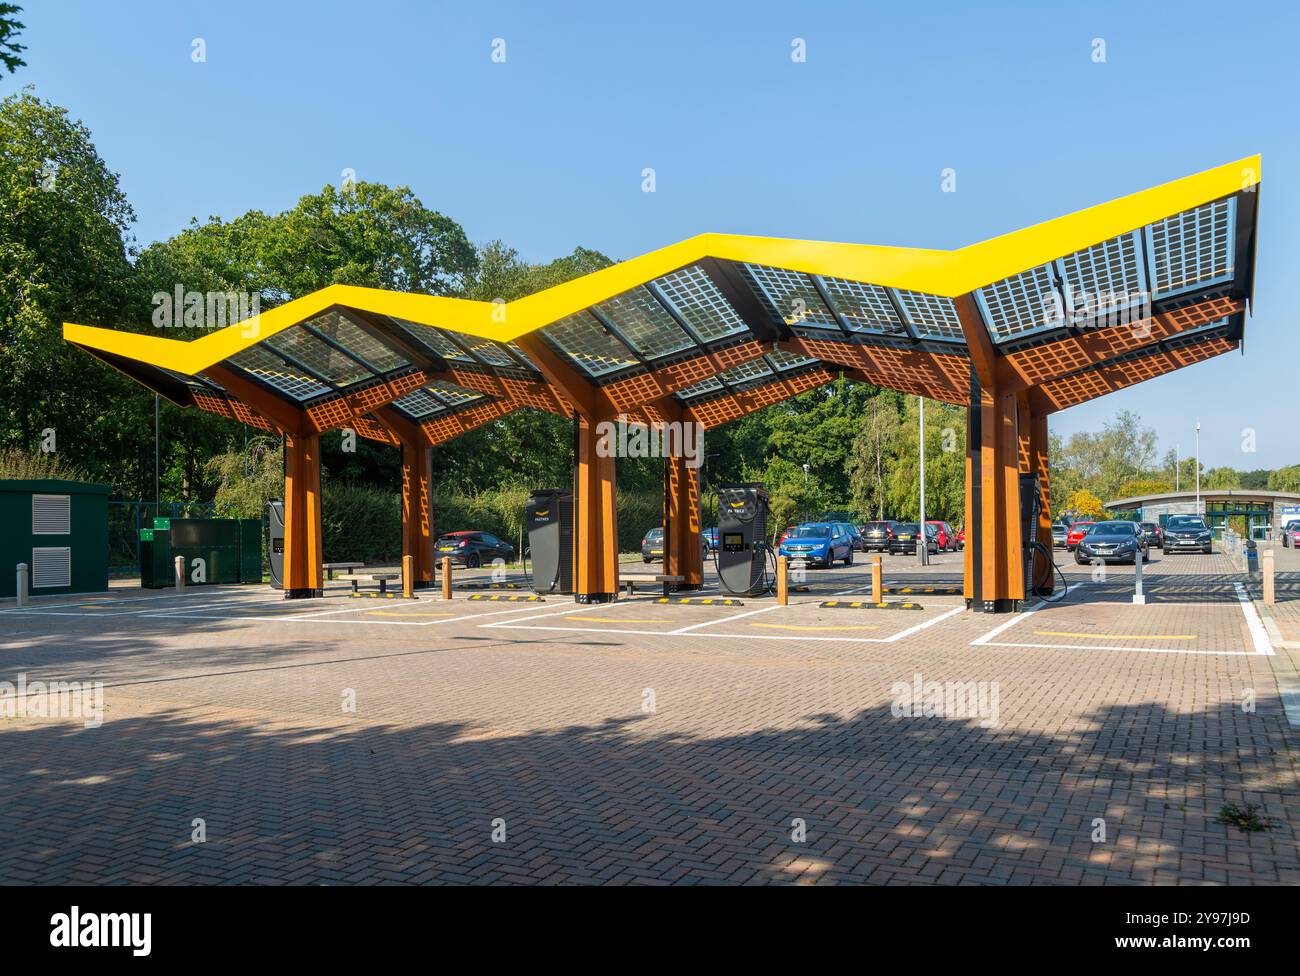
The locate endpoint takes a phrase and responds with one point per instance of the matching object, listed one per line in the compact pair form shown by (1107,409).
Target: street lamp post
(1198,467)
(923,540)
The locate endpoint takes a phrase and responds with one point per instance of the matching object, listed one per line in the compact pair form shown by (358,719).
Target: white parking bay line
(724,620)
(1256,626)
(924,624)
(1015,619)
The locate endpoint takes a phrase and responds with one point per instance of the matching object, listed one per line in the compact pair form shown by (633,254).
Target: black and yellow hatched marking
(381,596)
(933,590)
(506,597)
(868,605)
(488,586)
(702,601)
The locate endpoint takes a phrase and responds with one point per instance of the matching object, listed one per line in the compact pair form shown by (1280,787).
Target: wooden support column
(994,580)
(303,572)
(417,512)
(682,498)
(595,518)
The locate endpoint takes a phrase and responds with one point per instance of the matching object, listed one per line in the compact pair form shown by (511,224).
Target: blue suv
(818,544)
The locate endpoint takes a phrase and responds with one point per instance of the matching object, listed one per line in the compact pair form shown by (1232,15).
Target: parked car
(818,544)
(1059,533)
(473,549)
(905,538)
(785,533)
(652,545)
(854,534)
(1114,541)
(1288,531)
(945,536)
(878,535)
(1184,532)
(1077,531)
(711,539)
(961,537)
(1154,535)
(1294,537)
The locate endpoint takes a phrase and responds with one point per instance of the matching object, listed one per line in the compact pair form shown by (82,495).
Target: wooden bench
(330,567)
(631,579)
(380,578)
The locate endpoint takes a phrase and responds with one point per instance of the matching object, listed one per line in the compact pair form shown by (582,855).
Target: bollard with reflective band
(877,581)
(179,564)
(21,585)
(408,568)
(783,581)
(1252,560)
(446,577)
(1139,597)
(1268,577)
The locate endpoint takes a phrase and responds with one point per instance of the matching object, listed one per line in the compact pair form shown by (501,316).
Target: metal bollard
(1252,560)
(877,578)
(446,577)
(408,570)
(21,588)
(783,581)
(1139,597)
(179,570)
(1268,576)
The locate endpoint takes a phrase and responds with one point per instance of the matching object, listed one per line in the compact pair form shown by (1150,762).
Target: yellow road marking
(797,627)
(1070,633)
(619,620)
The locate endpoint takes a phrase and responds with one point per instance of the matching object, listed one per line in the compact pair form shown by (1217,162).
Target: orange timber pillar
(685,556)
(303,572)
(417,512)
(595,519)
(994,577)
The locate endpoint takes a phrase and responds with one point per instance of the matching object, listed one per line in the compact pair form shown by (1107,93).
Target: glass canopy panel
(782,360)
(932,316)
(317,356)
(434,340)
(711,385)
(452,394)
(484,349)
(695,297)
(585,341)
(791,296)
(1103,278)
(643,322)
(275,372)
(523,356)
(355,339)
(755,369)
(420,403)
(866,308)
(1194,248)
(1022,304)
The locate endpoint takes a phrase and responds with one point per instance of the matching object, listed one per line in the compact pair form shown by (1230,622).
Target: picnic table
(330,567)
(380,578)
(631,579)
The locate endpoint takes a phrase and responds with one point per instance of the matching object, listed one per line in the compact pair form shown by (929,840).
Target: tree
(1285,479)
(9,31)
(945,463)
(1086,505)
(1141,487)
(872,455)
(1221,478)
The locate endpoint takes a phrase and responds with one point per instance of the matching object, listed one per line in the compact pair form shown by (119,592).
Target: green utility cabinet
(215,550)
(60,530)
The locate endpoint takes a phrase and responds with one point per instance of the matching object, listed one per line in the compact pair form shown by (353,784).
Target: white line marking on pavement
(924,624)
(724,620)
(1102,647)
(985,638)
(1257,633)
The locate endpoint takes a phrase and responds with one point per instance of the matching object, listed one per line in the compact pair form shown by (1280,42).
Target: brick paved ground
(230,714)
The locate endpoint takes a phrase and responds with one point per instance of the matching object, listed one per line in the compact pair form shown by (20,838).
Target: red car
(961,538)
(788,530)
(947,537)
(1077,531)
(1295,538)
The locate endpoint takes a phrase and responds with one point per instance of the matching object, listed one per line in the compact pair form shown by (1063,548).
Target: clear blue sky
(546,150)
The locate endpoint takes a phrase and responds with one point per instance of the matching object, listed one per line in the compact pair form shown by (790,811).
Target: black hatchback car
(474,549)
(878,535)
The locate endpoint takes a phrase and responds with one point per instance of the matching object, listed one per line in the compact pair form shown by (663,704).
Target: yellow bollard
(408,570)
(446,577)
(1268,576)
(877,578)
(783,581)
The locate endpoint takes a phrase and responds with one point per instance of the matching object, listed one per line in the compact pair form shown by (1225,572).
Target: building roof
(1207,494)
(718,325)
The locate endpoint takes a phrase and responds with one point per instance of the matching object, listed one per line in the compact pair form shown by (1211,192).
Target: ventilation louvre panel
(51,567)
(51,515)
